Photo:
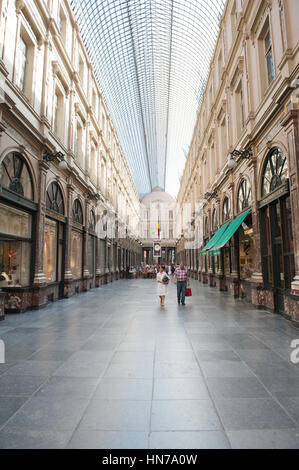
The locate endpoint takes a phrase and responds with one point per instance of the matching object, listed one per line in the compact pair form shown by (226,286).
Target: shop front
(54,242)
(92,248)
(17,223)
(277,241)
(77,240)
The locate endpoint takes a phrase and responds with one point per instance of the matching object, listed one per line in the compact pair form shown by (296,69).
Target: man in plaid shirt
(181,279)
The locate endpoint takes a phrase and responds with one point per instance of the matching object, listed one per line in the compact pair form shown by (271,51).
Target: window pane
(50,250)
(23,63)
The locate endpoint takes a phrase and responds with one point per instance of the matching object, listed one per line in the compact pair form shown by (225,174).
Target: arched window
(275,171)
(54,199)
(15,175)
(92,221)
(77,212)
(214,220)
(226,210)
(244,195)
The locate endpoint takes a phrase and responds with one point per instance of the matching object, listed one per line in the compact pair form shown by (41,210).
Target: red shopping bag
(188,292)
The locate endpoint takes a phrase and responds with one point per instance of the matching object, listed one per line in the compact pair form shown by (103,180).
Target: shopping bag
(188,292)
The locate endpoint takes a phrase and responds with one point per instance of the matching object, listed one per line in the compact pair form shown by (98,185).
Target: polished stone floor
(111,369)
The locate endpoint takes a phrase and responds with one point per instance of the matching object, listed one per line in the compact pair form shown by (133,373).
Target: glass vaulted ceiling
(151,58)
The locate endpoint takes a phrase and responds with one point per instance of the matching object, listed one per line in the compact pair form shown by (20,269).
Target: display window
(15,247)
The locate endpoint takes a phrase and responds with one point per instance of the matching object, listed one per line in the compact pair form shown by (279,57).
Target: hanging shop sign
(157,249)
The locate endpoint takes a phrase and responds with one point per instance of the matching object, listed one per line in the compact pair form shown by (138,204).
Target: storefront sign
(281,191)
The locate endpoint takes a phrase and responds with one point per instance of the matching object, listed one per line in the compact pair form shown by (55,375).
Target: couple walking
(181,279)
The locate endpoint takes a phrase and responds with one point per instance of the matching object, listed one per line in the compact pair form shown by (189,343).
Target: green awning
(232,228)
(217,235)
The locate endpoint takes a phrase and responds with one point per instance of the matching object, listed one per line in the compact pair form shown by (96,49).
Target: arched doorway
(276,227)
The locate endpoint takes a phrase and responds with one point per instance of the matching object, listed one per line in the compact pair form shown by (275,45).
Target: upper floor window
(58,114)
(23,51)
(62,25)
(78,142)
(92,221)
(244,195)
(265,51)
(240,114)
(214,220)
(226,210)
(275,171)
(15,175)
(77,212)
(269,57)
(81,70)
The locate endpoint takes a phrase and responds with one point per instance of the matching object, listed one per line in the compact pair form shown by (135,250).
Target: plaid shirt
(181,274)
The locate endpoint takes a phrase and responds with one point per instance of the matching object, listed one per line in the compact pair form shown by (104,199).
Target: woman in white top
(162,286)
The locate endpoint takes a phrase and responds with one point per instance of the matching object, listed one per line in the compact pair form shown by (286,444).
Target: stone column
(86,273)
(39,277)
(257,276)
(68,276)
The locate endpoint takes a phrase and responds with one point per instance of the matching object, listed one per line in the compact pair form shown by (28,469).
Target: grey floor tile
(184,415)
(19,385)
(189,440)
(265,439)
(74,369)
(34,439)
(34,368)
(51,355)
(225,369)
(49,413)
(252,413)
(236,387)
(281,370)
(73,387)
(291,404)
(124,389)
(180,389)
(213,356)
(281,387)
(177,369)
(9,406)
(114,415)
(139,370)
(90,439)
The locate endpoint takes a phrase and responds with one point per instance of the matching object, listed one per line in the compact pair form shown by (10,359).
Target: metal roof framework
(151,59)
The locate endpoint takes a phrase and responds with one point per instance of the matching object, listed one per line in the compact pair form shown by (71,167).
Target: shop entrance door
(61,258)
(277,250)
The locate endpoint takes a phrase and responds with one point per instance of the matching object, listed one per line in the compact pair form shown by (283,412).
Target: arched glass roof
(151,58)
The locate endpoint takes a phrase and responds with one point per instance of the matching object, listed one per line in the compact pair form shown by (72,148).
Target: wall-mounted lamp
(209,195)
(93,196)
(58,156)
(238,154)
